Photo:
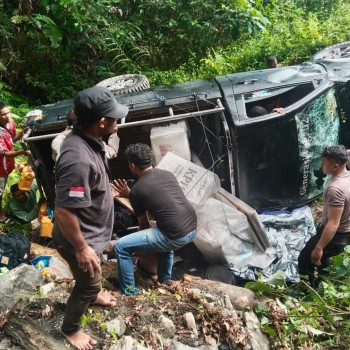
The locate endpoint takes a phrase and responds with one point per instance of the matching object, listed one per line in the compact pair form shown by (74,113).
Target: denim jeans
(149,240)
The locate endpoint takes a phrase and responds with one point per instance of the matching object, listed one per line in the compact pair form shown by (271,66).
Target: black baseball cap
(337,152)
(96,102)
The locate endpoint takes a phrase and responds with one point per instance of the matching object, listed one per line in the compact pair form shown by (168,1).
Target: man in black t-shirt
(156,192)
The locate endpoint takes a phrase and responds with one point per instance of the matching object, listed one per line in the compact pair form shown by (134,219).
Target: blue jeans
(149,240)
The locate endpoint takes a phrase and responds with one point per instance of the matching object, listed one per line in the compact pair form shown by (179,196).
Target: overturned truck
(268,161)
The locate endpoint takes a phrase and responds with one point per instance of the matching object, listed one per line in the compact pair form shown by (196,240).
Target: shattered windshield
(279,162)
(317,126)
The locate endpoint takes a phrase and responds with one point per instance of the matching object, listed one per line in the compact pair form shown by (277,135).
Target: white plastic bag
(224,235)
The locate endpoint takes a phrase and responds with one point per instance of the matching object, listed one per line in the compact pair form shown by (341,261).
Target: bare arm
(334,215)
(68,223)
(13,154)
(18,135)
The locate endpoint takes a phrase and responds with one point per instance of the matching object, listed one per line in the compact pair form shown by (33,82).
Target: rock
(16,284)
(228,303)
(125,343)
(117,325)
(47,288)
(22,278)
(167,325)
(241,298)
(6,344)
(258,339)
(138,347)
(191,323)
(175,345)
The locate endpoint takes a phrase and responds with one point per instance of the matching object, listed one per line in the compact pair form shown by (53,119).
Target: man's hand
(42,200)
(88,261)
(278,110)
(26,152)
(121,187)
(316,256)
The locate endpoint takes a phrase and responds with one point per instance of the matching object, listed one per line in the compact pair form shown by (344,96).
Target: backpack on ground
(14,249)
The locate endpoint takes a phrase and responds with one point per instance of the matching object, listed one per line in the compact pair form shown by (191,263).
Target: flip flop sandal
(7,221)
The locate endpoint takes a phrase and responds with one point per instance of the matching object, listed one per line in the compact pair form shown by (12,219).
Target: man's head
(334,159)
(18,195)
(271,62)
(4,114)
(97,105)
(139,155)
(258,111)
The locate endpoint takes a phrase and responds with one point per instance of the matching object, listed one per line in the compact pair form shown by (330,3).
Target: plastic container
(46,227)
(42,211)
(27,176)
(171,138)
(52,267)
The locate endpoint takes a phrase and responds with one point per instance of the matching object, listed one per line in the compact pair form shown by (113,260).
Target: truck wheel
(125,84)
(334,52)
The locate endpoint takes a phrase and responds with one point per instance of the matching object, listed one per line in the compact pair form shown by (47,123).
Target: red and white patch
(76,191)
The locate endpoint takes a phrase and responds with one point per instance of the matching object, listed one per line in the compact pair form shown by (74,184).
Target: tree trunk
(27,334)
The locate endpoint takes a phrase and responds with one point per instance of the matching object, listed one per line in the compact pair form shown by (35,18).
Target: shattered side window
(317,127)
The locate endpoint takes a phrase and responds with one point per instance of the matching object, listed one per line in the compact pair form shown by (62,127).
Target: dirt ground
(141,315)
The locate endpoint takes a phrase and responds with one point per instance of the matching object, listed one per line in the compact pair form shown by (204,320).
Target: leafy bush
(301,317)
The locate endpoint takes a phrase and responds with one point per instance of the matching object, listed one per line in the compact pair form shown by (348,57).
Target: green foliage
(19,105)
(62,46)
(294,34)
(301,317)
(180,30)
(52,49)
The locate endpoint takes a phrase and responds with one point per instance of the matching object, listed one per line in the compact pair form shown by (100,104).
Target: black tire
(337,52)
(125,84)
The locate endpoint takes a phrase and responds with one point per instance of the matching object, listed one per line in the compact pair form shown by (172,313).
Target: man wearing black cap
(334,232)
(84,205)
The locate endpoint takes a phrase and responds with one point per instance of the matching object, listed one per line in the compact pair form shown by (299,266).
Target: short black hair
(14,188)
(139,154)
(270,60)
(257,111)
(3,105)
(337,153)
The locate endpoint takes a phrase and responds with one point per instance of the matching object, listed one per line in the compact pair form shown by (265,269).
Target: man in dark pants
(156,192)
(84,205)
(334,233)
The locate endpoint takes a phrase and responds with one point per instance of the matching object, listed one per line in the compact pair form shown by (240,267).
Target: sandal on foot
(7,221)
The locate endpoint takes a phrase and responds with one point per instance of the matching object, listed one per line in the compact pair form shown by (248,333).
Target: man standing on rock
(84,205)
(334,233)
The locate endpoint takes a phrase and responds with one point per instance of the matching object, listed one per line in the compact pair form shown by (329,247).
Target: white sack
(197,183)
(225,236)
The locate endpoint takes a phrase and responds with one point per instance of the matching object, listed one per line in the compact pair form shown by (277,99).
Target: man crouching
(158,192)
